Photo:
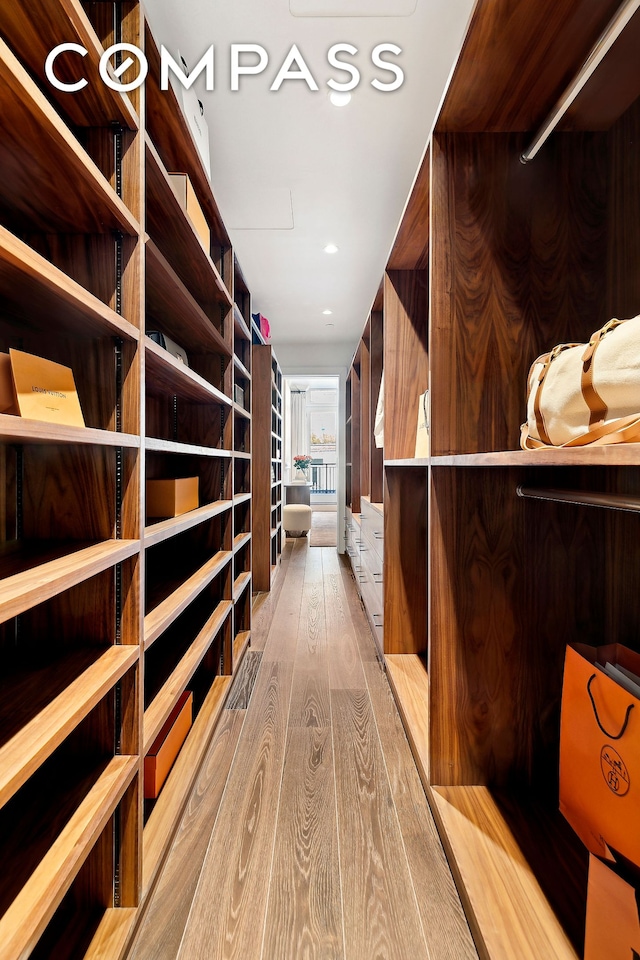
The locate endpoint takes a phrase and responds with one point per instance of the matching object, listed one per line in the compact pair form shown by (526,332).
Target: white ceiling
(290,171)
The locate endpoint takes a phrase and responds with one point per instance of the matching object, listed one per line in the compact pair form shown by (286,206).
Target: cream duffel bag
(586,393)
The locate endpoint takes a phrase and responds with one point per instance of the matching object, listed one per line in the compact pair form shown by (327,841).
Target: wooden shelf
(18,430)
(183,249)
(171,376)
(36,294)
(174,142)
(615,454)
(409,681)
(39,708)
(241,498)
(27,916)
(241,455)
(112,935)
(505,901)
(47,568)
(164,816)
(156,445)
(96,104)
(239,365)
(240,646)
(240,324)
(241,411)
(240,585)
(419,462)
(170,303)
(240,541)
(157,712)
(33,188)
(162,616)
(165,529)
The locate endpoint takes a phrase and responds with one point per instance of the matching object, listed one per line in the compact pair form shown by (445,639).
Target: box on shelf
(600,750)
(171,498)
(612,929)
(186,195)
(38,389)
(193,110)
(238,394)
(173,348)
(166,747)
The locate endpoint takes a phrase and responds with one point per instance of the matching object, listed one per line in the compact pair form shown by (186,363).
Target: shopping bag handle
(595,710)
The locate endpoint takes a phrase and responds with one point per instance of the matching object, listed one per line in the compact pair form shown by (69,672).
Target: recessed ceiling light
(327,313)
(331,248)
(329,324)
(339,99)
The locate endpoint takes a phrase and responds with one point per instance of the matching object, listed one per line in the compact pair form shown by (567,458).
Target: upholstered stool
(296,519)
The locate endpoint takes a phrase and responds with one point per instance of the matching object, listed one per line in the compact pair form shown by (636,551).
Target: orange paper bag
(613,928)
(600,752)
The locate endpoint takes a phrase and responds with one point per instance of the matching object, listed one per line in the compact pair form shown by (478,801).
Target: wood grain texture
(262,360)
(160,932)
(244,682)
(32,185)
(411,245)
(304,916)
(170,376)
(39,709)
(165,529)
(405,561)
(35,31)
(517,60)
(409,681)
(35,903)
(376,347)
(406,358)
(516,270)
(443,919)
(345,667)
(380,913)
(623,290)
(509,909)
(231,923)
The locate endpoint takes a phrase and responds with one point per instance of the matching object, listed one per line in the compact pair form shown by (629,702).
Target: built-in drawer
(373,527)
(372,598)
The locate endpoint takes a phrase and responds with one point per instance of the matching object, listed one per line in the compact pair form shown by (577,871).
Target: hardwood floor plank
(345,666)
(304,916)
(265,604)
(162,927)
(283,636)
(243,684)
(229,907)
(380,913)
(310,705)
(366,643)
(443,918)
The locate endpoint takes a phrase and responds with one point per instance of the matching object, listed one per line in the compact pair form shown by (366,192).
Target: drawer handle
(376,617)
(377,535)
(377,578)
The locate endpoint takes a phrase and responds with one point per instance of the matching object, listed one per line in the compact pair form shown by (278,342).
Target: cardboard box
(612,929)
(38,389)
(193,110)
(166,747)
(171,498)
(189,202)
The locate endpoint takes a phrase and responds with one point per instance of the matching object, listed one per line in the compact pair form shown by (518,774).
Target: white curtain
(299,431)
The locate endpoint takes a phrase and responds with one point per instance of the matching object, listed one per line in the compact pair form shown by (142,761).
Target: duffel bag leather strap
(623,430)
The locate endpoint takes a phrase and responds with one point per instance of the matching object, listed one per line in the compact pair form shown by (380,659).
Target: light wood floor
(308,836)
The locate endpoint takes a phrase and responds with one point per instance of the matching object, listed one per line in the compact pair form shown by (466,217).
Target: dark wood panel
(623,294)
(406,359)
(411,246)
(405,561)
(513,581)
(261,464)
(376,347)
(365,419)
(518,268)
(517,60)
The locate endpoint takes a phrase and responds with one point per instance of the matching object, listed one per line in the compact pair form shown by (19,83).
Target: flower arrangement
(302,461)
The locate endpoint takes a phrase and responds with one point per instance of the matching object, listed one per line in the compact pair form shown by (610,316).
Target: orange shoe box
(166,747)
(170,498)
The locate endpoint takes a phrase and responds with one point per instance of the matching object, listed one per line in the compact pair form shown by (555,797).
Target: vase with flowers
(301,462)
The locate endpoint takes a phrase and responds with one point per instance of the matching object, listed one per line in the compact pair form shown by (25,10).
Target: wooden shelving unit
(106,615)
(494,263)
(267,463)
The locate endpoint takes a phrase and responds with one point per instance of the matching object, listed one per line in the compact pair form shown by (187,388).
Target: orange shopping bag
(613,927)
(600,752)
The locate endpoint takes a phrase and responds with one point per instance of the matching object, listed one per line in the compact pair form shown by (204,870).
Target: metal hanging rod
(610,501)
(598,52)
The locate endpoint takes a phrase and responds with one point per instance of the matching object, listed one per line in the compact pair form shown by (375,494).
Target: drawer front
(373,603)
(373,529)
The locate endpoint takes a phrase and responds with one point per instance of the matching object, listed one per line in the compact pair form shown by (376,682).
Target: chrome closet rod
(610,501)
(598,52)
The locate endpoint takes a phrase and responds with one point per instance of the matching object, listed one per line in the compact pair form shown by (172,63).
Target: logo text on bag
(614,771)
(245,59)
